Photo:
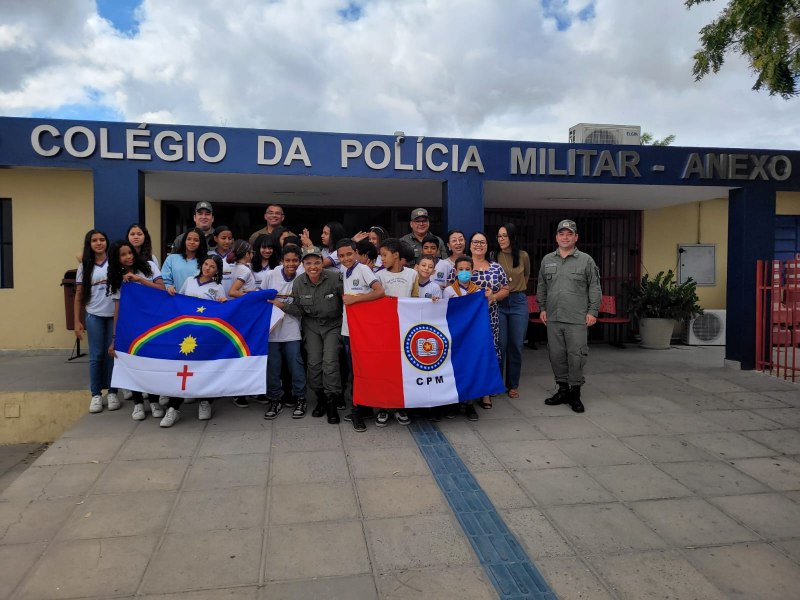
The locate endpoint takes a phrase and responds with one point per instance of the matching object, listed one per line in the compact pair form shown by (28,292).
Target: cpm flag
(411,352)
(189,347)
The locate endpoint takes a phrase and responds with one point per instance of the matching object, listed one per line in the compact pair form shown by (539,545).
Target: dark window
(6,245)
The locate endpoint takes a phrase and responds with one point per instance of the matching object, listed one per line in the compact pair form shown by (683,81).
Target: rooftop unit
(596,133)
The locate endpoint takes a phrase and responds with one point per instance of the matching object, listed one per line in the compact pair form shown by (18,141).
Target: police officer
(204,220)
(569,298)
(420,224)
(317,300)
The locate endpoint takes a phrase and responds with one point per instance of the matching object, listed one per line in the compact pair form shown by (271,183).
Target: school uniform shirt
(227,275)
(358,279)
(154,276)
(450,292)
(429,289)
(243,273)
(333,255)
(399,285)
(99,304)
(260,276)
(288,330)
(441,273)
(207,291)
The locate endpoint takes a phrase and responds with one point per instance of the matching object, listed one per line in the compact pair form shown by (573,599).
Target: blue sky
(121,13)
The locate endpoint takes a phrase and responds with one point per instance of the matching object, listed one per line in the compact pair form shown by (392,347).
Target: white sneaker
(113,401)
(204,410)
(163,400)
(138,412)
(156,410)
(126,394)
(170,418)
(96,405)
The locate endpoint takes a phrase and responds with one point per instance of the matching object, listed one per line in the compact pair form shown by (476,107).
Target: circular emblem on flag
(426,347)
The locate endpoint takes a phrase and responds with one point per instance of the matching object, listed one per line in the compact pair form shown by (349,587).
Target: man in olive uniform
(569,298)
(317,300)
(420,227)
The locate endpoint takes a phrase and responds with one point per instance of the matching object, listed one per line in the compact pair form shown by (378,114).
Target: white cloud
(429,67)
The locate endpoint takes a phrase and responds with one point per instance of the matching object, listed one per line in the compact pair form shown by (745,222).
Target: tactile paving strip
(509,568)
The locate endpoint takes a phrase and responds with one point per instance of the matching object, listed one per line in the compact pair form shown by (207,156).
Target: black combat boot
(560,397)
(575,399)
(322,406)
(333,415)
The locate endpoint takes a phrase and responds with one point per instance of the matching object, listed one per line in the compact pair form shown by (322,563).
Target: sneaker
(138,412)
(401,417)
(340,403)
(96,405)
(451,411)
(204,410)
(113,401)
(156,410)
(170,418)
(382,420)
(163,400)
(260,398)
(290,401)
(241,402)
(275,407)
(469,412)
(348,417)
(299,409)
(126,394)
(358,422)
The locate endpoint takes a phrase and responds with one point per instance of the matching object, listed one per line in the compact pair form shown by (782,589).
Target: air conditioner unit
(595,133)
(707,329)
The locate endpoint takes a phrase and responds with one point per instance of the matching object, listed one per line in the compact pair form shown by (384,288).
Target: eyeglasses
(478,243)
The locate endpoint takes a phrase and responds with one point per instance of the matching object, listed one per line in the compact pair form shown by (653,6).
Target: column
(462,205)
(118,199)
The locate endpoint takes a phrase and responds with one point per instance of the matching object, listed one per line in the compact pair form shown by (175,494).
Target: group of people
(309,349)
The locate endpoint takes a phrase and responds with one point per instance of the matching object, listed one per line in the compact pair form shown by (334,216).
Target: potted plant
(658,302)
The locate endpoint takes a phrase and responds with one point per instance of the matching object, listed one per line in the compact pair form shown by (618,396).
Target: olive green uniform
(320,308)
(568,289)
(417,246)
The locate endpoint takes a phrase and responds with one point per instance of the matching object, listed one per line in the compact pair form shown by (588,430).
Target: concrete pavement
(681,480)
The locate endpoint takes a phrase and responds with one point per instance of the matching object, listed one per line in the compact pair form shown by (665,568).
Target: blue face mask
(464,276)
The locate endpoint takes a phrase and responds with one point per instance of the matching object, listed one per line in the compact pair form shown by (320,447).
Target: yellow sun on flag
(188,345)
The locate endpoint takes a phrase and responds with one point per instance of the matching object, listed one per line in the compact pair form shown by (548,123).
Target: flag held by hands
(189,347)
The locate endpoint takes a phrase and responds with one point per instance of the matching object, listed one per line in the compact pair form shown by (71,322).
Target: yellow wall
(152,220)
(51,210)
(787,203)
(695,223)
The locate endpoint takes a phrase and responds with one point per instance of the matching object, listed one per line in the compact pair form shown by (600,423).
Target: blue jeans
(99,331)
(513,325)
(294,361)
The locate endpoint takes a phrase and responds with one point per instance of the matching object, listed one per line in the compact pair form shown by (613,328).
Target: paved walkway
(680,481)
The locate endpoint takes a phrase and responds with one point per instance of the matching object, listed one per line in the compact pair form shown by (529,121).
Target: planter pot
(656,333)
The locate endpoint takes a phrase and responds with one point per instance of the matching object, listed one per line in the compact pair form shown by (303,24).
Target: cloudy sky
(497,69)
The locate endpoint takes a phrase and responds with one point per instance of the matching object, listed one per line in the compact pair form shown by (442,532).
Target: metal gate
(778,317)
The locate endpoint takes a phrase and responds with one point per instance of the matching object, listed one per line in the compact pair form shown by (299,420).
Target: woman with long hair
(513,310)
(184,263)
(140,238)
(90,295)
(491,277)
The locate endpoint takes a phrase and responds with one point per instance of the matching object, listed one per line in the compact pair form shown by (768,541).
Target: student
(367,254)
(332,232)
(126,266)
(462,285)
(360,285)
(90,294)
(399,282)
(442,268)
(428,288)
(140,238)
(266,257)
(285,342)
(243,279)
(185,262)
(206,285)
(223,239)
(317,300)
